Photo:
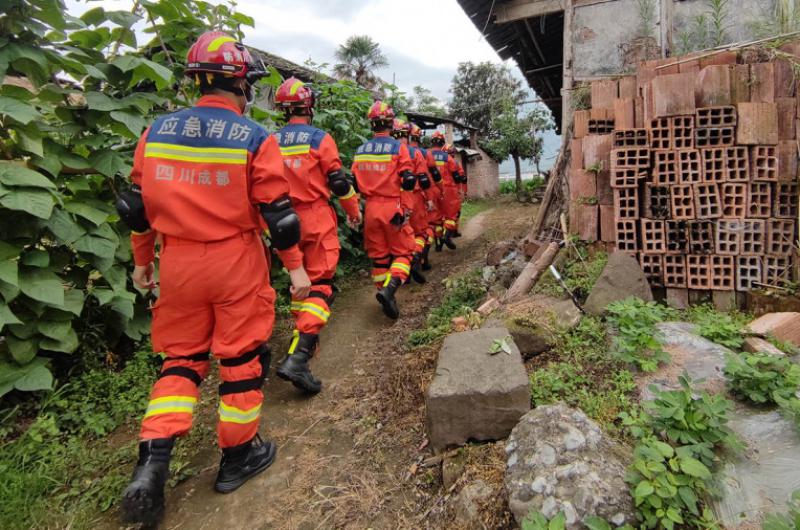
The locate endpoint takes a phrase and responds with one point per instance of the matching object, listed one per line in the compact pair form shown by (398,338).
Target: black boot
(439,244)
(426,264)
(386,297)
(143,499)
(448,239)
(294,367)
(242,462)
(416,270)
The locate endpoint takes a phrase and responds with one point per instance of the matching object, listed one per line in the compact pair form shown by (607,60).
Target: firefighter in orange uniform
(382,168)
(204,180)
(415,201)
(314,171)
(428,189)
(450,202)
(461,178)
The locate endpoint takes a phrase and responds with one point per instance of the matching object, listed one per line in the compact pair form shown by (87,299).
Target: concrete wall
(483,176)
(605,30)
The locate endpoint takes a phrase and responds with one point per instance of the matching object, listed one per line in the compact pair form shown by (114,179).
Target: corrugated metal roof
(535,44)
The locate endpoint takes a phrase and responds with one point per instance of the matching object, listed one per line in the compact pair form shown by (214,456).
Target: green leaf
(8,251)
(99,246)
(101,102)
(133,122)
(559,522)
(7,316)
(694,468)
(73,301)
(125,19)
(126,62)
(108,162)
(36,377)
(123,306)
(57,330)
(29,139)
(103,295)
(34,201)
(94,17)
(64,227)
(18,110)
(9,272)
(22,350)
(596,523)
(36,258)
(42,285)
(644,489)
(81,209)
(66,344)
(12,174)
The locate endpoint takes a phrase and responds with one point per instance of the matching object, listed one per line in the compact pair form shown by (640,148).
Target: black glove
(398,219)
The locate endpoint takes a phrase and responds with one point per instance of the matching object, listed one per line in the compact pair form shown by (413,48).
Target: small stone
(452,469)
(539,485)
(546,455)
(489,274)
(618,519)
(570,514)
(574,440)
(550,507)
(459,324)
(468,501)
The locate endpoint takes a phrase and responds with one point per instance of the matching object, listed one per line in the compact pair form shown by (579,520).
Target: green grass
(462,295)
(582,373)
(472,207)
(580,272)
(70,462)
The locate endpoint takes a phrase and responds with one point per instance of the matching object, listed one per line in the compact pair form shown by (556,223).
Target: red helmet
(414,131)
(437,138)
(217,52)
(400,127)
(380,111)
(295,93)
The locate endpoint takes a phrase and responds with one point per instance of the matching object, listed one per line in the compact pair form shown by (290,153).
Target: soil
(354,456)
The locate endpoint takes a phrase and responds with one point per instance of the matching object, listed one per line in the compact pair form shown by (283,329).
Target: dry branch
(531,272)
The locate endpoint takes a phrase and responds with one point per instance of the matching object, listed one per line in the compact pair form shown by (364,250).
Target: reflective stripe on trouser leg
(419,243)
(174,396)
(240,399)
(401,268)
(449,224)
(439,230)
(312,313)
(380,271)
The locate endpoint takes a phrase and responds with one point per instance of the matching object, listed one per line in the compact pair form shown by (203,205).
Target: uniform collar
(219,102)
(381,134)
(298,120)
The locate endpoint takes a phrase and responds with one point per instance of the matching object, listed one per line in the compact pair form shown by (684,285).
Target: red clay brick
(764,163)
(759,200)
(787,161)
(740,83)
(582,185)
(624,113)
(758,124)
(576,154)
(781,236)
(601,113)
(701,236)
(698,272)
(584,222)
(728,237)
(785,200)
(762,85)
(607,226)
(631,138)
(723,273)
(778,270)
(714,136)
(627,87)
(715,164)
(605,195)
(662,133)
(724,116)
(601,126)
(627,177)
(748,272)
(675,270)
(753,238)
(581,123)
(638,111)
(627,235)
(631,157)
(682,202)
(677,236)
(648,106)
(787,120)
(784,79)
(726,57)
(738,161)
(733,196)
(713,86)
(604,92)
(683,135)
(626,204)
(782,326)
(657,202)
(665,168)
(652,231)
(690,169)
(653,267)
(597,151)
(673,95)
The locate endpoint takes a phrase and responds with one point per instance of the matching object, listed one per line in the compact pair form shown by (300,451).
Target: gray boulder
(560,461)
(622,277)
(475,394)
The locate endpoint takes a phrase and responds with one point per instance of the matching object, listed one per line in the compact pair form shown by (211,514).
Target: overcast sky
(424,40)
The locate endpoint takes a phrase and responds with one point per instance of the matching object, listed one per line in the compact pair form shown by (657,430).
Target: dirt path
(340,464)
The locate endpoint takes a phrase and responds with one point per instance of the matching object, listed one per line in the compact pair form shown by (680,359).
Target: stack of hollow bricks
(692,168)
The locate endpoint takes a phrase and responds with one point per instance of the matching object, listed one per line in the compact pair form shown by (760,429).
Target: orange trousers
(389,246)
(214,297)
(319,242)
(451,205)
(419,222)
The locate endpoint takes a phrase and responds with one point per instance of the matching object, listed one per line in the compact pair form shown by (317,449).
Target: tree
(480,92)
(424,102)
(358,58)
(516,136)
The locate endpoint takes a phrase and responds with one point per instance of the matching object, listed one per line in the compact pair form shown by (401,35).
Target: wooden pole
(527,278)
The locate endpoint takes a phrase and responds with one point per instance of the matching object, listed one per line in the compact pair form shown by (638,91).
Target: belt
(247,237)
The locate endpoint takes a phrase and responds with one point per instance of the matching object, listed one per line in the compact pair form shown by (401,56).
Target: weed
(581,97)
(637,340)
(726,329)
(461,297)
(580,272)
(473,207)
(785,521)
(647,17)
(782,345)
(762,378)
(509,187)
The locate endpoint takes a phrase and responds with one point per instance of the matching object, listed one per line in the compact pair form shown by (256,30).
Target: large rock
(474,394)
(560,461)
(622,277)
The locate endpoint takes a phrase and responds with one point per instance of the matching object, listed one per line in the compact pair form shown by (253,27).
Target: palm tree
(358,57)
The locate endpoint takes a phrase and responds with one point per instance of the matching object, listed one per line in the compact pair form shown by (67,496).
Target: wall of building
(483,176)
(607,34)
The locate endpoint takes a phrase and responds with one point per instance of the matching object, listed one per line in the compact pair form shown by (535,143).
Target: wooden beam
(544,68)
(522,9)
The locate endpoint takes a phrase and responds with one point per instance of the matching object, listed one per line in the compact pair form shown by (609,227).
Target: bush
(462,295)
(580,272)
(637,341)
(762,378)
(723,328)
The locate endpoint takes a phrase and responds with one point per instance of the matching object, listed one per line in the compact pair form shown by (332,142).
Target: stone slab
(475,395)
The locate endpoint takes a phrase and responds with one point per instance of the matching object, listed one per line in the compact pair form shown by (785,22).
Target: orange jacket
(377,166)
(310,154)
(446,165)
(203,171)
